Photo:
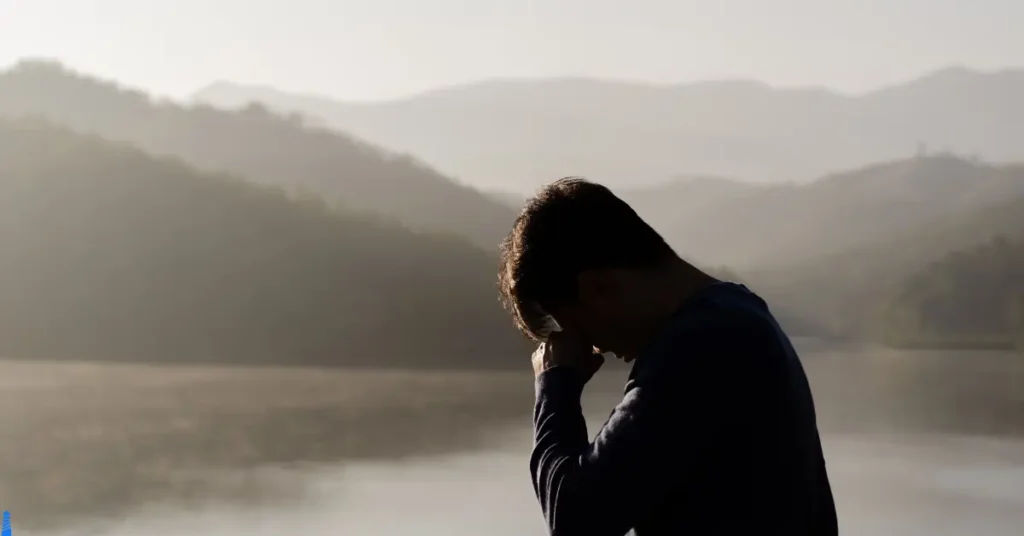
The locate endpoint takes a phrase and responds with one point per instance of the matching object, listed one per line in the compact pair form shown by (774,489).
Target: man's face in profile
(600,314)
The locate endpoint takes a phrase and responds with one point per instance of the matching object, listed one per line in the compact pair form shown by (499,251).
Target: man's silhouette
(716,433)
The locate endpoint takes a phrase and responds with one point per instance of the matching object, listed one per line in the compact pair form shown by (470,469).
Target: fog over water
(888,477)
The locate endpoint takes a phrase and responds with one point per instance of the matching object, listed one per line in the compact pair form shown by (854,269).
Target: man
(716,433)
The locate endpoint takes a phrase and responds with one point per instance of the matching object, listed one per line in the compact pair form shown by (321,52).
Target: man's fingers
(566,348)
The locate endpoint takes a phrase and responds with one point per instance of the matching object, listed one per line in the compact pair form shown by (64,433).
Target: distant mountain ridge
(831,252)
(517,134)
(260,146)
(112,254)
(746,226)
(848,291)
(969,298)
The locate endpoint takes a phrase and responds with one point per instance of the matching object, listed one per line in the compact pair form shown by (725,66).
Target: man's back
(758,463)
(716,434)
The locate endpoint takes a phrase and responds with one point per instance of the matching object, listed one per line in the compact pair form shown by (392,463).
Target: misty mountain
(517,134)
(848,292)
(971,297)
(839,249)
(260,146)
(718,221)
(512,200)
(110,253)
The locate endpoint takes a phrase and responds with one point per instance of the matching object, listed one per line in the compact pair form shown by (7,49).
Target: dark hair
(570,226)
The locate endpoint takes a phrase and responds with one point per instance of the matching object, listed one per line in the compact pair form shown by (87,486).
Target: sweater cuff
(559,383)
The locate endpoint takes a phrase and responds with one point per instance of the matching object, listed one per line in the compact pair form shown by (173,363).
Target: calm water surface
(917,444)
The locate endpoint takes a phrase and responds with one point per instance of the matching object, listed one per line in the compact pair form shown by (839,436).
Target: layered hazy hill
(720,221)
(516,134)
(840,250)
(110,253)
(832,255)
(849,291)
(258,146)
(972,297)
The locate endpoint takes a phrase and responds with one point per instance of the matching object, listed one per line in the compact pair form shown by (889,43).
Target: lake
(916,442)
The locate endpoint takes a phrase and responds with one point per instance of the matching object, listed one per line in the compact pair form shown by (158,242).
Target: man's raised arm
(603,488)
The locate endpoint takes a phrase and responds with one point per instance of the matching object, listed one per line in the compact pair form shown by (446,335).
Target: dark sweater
(716,434)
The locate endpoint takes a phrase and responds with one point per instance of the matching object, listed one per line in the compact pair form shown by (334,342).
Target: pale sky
(380,49)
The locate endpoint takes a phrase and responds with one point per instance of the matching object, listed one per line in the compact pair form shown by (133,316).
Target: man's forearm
(560,437)
(601,488)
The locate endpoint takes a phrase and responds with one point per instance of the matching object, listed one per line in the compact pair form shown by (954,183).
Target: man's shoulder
(728,311)
(725,318)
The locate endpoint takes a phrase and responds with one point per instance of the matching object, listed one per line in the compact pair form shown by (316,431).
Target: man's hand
(564,348)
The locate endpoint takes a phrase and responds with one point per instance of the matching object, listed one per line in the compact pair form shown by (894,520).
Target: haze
(248,249)
(382,49)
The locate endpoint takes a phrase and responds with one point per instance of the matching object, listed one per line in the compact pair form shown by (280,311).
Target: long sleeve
(716,434)
(604,488)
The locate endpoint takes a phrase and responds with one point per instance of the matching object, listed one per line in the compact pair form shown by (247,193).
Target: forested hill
(720,221)
(971,298)
(850,291)
(110,253)
(259,146)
